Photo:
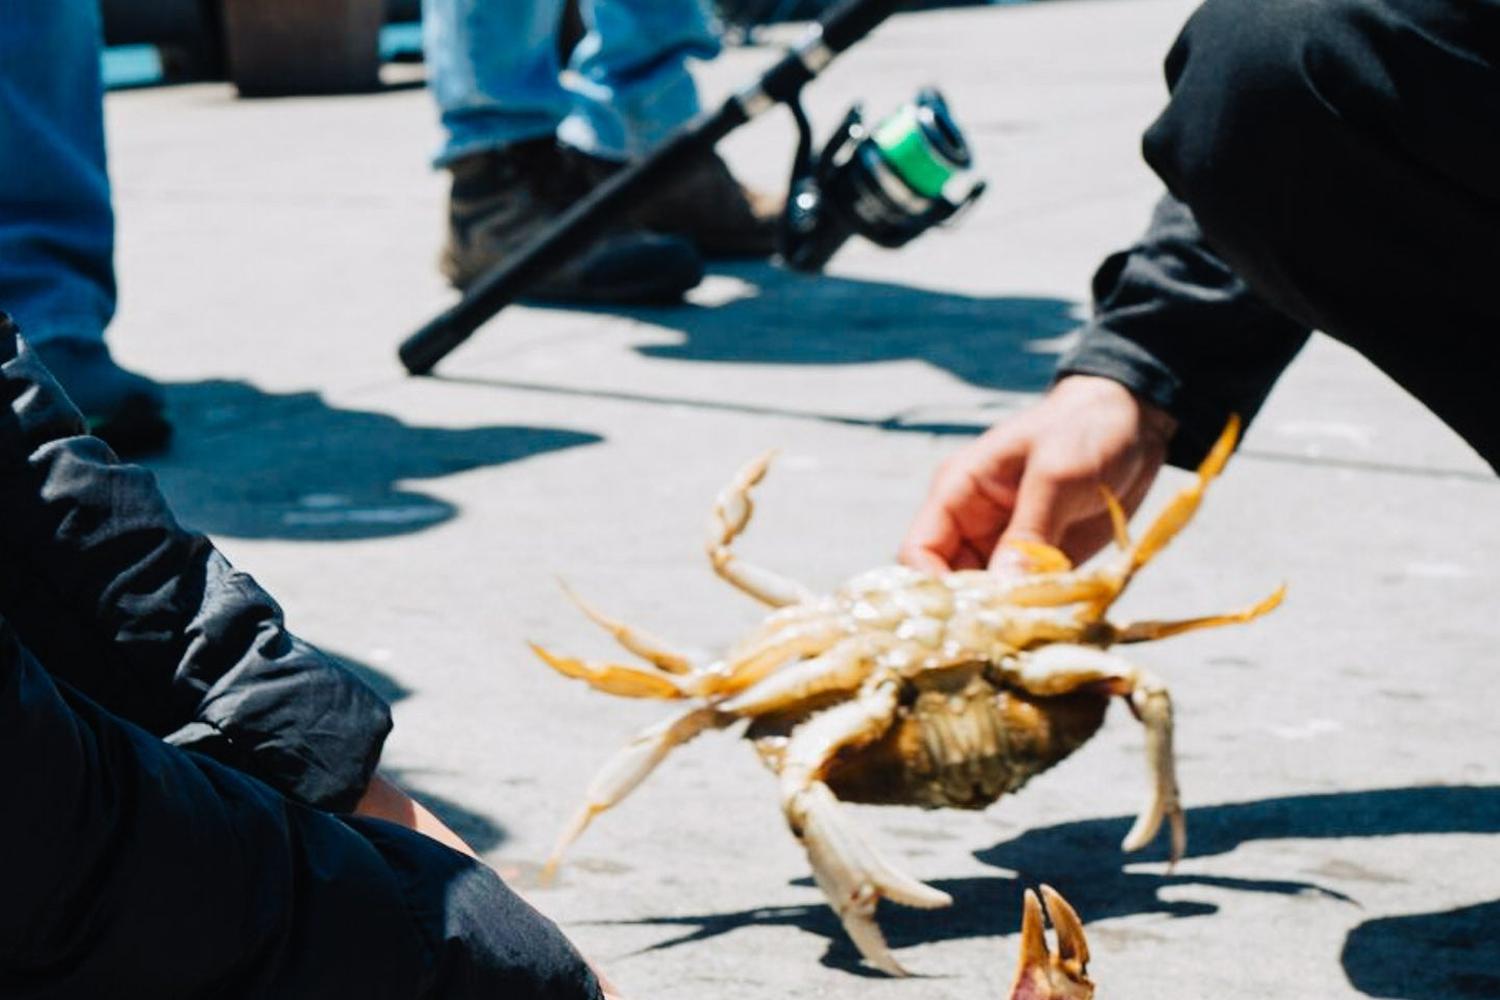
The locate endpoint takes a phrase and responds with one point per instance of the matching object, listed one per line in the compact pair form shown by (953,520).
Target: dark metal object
(587,218)
(854,187)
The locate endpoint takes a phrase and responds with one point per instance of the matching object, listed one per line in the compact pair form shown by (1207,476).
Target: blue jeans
(493,67)
(57,230)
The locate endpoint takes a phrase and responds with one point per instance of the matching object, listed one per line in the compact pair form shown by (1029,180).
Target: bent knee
(494,944)
(482,940)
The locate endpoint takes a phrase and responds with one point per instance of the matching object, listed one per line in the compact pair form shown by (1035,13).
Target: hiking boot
(708,207)
(503,198)
(125,409)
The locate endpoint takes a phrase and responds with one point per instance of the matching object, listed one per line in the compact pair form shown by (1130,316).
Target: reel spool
(889,184)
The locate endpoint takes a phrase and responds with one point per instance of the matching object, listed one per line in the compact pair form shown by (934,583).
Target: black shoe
(705,205)
(125,409)
(502,199)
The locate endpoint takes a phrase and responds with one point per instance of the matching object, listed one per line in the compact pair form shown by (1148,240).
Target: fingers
(968,504)
(1037,478)
(1058,503)
(933,543)
(1041,512)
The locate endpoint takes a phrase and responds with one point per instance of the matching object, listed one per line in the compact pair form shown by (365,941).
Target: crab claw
(1041,975)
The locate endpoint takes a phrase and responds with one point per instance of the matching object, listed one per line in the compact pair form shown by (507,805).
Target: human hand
(1037,478)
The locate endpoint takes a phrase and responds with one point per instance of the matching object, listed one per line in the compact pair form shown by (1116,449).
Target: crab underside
(903,687)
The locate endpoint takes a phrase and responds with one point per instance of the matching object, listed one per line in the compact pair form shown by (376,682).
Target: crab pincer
(1042,974)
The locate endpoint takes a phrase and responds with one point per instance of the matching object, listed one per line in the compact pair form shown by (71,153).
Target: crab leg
(1153,705)
(1041,975)
(1023,631)
(1183,506)
(1035,589)
(800,640)
(1039,557)
(622,679)
(1060,669)
(629,767)
(1054,590)
(778,621)
(641,643)
(1148,630)
(732,510)
(1118,522)
(1168,523)
(842,668)
(853,876)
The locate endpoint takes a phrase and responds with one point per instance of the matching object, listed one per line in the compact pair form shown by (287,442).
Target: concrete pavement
(1338,758)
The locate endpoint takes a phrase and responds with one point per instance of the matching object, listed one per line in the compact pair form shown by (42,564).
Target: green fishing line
(906,148)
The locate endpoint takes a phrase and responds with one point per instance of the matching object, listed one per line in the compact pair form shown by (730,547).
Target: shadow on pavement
(480,831)
(1083,861)
(981,907)
(897,422)
(1089,849)
(1427,956)
(779,316)
(251,464)
(782,317)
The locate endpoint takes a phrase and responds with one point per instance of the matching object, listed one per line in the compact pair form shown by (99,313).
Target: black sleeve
(1173,324)
(149,620)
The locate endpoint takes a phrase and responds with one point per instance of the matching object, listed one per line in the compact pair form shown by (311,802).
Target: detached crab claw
(1041,975)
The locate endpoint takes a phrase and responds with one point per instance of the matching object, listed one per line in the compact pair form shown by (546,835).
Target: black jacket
(1177,327)
(149,621)
(1343,159)
(208,870)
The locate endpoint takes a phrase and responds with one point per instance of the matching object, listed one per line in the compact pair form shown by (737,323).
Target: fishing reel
(889,184)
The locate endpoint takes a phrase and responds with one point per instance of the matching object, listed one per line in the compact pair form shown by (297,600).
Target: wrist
(1156,424)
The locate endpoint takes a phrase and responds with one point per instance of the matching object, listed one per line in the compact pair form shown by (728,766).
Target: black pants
(1343,157)
(135,869)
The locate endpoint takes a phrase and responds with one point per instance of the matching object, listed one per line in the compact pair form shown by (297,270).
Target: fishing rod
(889,183)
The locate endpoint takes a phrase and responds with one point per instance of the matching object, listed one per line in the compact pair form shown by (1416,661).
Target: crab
(905,687)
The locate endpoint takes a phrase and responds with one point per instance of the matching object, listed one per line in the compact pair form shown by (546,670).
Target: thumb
(1038,517)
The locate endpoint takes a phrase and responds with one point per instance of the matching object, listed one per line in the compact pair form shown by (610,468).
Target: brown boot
(707,206)
(503,198)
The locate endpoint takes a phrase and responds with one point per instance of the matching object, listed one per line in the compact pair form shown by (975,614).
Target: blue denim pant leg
(56,225)
(493,68)
(628,77)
